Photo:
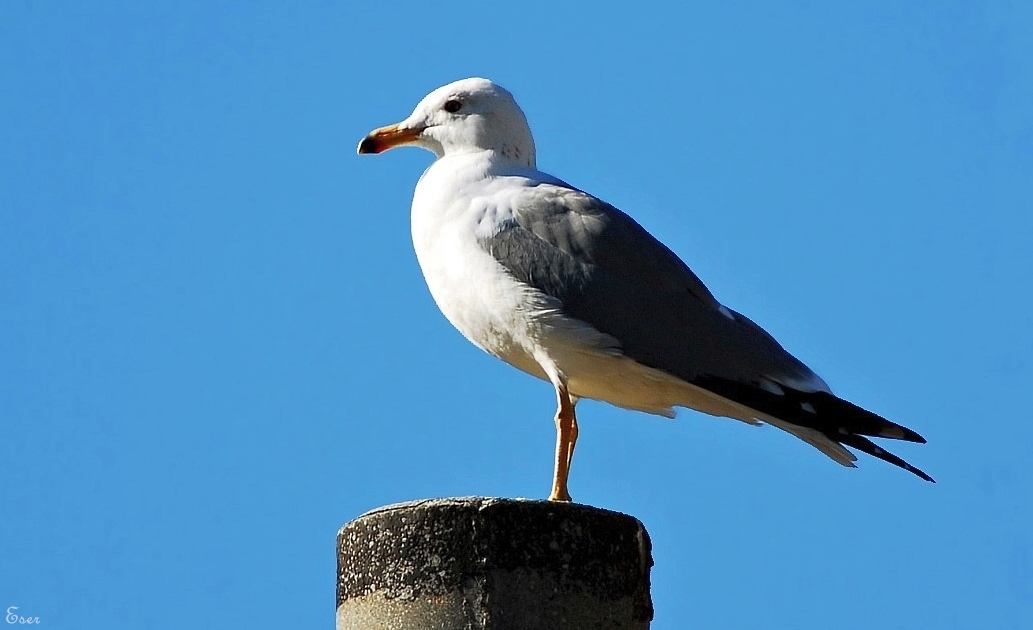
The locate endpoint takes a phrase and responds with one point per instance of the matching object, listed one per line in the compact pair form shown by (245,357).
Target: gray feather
(607,271)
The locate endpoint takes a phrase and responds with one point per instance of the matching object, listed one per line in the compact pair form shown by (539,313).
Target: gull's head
(467,116)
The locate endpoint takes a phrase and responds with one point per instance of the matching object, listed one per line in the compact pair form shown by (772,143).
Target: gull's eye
(453,106)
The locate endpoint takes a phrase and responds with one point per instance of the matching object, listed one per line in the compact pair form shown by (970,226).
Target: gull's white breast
(454,205)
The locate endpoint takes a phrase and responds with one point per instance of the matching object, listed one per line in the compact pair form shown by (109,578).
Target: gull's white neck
(450,184)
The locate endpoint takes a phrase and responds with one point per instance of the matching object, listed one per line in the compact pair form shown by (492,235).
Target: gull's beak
(380,140)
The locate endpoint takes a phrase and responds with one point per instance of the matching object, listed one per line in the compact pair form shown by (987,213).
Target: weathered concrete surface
(480,564)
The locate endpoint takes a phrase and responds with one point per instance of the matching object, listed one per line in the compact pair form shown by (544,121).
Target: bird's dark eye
(453,106)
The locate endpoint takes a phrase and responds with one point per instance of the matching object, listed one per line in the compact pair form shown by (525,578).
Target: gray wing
(607,271)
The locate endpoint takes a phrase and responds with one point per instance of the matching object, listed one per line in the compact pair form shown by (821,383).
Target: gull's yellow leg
(573,436)
(566,433)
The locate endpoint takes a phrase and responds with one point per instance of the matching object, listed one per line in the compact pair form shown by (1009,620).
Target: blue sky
(216,346)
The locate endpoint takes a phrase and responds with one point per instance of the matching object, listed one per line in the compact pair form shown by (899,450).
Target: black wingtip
(865,445)
(839,420)
(854,419)
(906,434)
(919,473)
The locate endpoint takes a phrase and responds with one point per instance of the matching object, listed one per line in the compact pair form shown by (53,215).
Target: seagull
(568,288)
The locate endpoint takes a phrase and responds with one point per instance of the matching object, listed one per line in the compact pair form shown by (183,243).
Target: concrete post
(493,564)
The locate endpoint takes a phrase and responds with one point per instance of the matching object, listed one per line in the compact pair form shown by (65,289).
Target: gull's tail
(813,415)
